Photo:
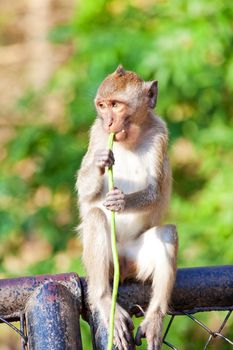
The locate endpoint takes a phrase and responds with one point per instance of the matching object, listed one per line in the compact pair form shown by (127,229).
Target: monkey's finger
(114,203)
(132,346)
(108,154)
(130,323)
(103,164)
(104,155)
(114,192)
(111,208)
(108,164)
(116,208)
(128,320)
(120,339)
(105,159)
(104,152)
(139,335)
(111,155)
(100,164)
(122,332)
(115,199)
(152,346)
(126,332)
(117,343)
(130,340)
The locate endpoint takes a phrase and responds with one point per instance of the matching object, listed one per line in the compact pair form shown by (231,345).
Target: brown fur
(116,82)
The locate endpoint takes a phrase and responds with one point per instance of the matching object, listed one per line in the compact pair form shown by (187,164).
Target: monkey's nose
(110,122)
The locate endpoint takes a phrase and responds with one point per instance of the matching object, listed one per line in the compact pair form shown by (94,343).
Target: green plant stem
(114,254)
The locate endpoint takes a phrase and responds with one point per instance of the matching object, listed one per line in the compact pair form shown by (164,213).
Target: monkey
(147,250)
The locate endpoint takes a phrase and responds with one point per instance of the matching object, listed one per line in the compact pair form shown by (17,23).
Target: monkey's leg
(97,258)
(155,252)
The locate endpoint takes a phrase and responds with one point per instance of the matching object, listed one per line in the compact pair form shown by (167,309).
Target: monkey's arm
(89,180)
(90,176)
(141,199)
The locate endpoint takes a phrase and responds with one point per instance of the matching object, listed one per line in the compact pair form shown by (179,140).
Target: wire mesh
(20,331)
(211,334)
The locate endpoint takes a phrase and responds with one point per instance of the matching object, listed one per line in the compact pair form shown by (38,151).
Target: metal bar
(224,321)
(14,292)
(166,332)
(196,289)
(22,330)
(52,319)
(170,345)
(168,327)
(203,289)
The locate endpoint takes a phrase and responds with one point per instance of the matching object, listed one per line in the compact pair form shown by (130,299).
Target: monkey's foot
(123,327)
(123,338)
(150,329)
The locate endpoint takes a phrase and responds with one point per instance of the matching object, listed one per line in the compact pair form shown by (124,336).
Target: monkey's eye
(115,104)
(100,105)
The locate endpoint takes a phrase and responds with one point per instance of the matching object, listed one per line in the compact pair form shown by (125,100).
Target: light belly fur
(131,174)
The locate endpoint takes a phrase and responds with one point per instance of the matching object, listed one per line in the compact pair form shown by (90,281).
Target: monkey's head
(123,102)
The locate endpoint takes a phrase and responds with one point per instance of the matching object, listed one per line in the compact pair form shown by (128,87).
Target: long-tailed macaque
(147,251)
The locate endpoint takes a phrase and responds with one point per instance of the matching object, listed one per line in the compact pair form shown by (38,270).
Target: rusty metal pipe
(14,292)
(52,319)
(196,289)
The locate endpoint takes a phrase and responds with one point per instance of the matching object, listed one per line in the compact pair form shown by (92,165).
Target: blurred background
(53,55)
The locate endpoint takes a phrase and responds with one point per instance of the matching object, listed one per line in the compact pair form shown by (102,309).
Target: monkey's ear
(120,71)
(152,92)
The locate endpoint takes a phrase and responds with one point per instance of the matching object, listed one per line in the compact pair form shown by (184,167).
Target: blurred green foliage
(187,47)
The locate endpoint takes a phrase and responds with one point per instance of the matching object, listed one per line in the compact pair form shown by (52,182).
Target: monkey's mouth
(120,135)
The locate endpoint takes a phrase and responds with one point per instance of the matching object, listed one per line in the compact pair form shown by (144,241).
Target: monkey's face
(115,116)
(122,103)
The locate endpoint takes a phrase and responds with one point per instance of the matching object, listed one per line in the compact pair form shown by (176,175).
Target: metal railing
(48,307)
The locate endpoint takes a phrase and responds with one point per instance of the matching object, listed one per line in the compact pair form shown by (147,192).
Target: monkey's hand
(115,200)
(104,158)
